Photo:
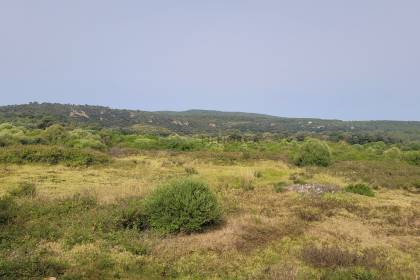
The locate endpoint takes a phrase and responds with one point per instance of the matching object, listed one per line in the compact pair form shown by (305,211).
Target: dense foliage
(413,157)
(82,146)
(182,206)
(51,155)
(313,152)
(36,115)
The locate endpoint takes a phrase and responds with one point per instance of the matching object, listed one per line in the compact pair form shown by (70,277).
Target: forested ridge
(42,115)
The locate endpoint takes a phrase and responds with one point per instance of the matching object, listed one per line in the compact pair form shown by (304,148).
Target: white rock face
(82,114)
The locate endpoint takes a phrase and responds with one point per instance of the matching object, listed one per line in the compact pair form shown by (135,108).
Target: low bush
(85,139)
(132,216)
(129,240)
(357,273)
(299,178)
(309,214)
(412,157)
(313,152)
(329,256)
(7,210)
(315,208)
(24,189)
(361,189)
(51,155)
(69,221)
(279,187)
(31,266)
(258,174)
(393,153)
(191,170)
(55,134)
(180,143)
(182,206)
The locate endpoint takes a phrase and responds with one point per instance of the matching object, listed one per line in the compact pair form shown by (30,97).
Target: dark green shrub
(279,187)
(182,206)
(258,174)
(24,189)
(361,189)
(180,143)
(313,152)
(7,210)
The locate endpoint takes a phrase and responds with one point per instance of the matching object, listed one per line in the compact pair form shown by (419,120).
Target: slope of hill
(197,121)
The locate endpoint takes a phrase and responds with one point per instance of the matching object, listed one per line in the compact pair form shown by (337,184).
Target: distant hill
(196,121)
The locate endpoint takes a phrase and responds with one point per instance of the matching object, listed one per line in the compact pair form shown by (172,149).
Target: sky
(351,60)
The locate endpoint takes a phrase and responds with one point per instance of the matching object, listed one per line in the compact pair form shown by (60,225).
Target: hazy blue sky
(355,59)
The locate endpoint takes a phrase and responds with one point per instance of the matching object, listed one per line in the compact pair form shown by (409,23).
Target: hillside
(201,121)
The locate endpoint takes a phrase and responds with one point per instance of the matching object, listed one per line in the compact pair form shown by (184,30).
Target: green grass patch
(361,189)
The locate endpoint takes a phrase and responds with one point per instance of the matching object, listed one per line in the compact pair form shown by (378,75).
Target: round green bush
(182,206)
(313,152)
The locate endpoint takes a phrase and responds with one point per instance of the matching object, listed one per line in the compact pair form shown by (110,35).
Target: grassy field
(70,228)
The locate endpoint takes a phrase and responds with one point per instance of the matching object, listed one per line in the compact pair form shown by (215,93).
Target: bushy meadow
(78,203)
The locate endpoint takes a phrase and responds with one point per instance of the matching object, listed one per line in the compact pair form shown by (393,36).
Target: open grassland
(73,226)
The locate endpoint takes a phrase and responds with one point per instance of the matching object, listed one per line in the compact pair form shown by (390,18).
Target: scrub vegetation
(86,202)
